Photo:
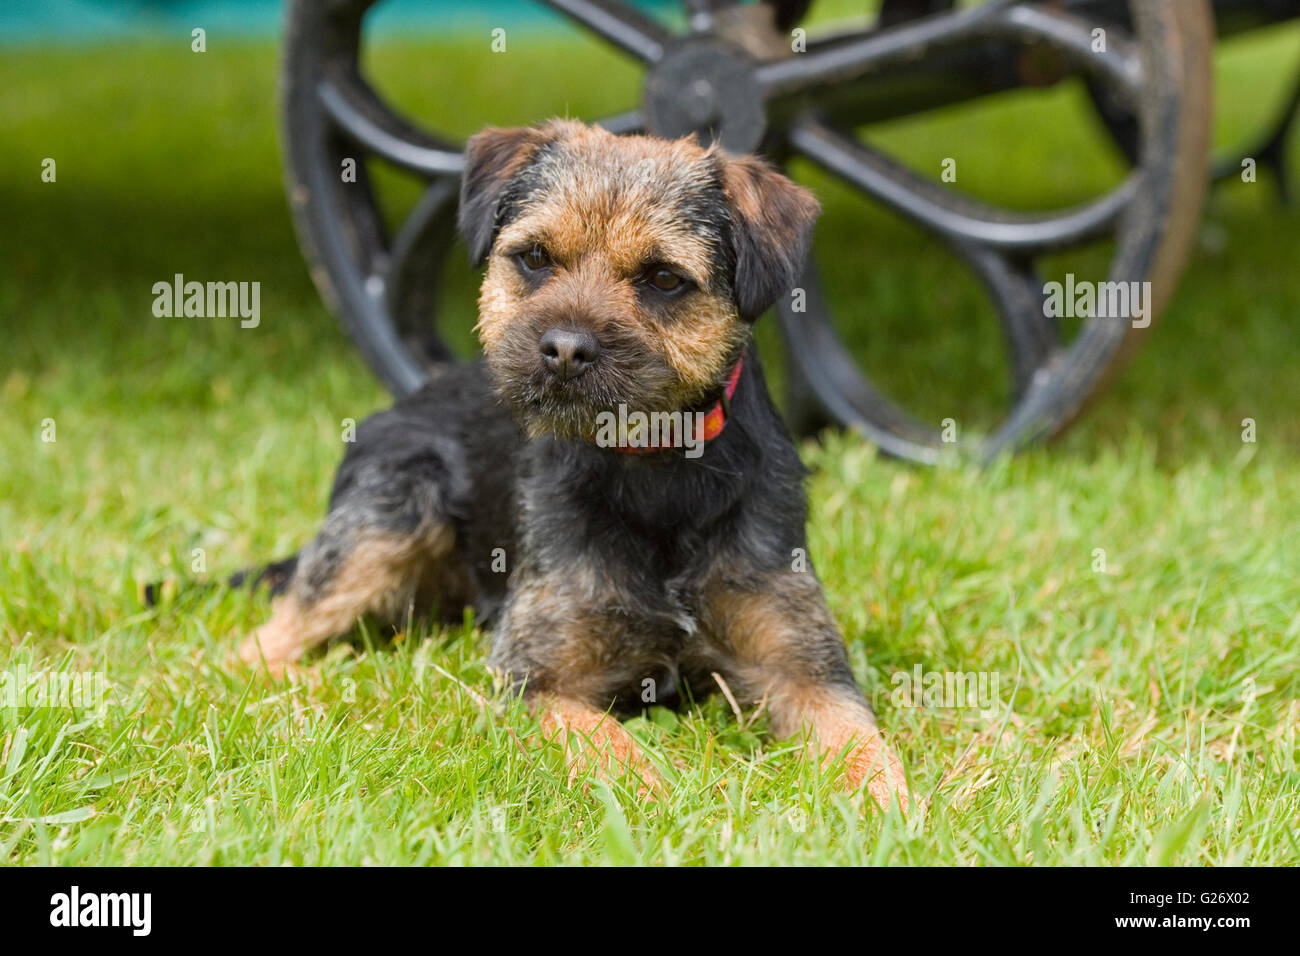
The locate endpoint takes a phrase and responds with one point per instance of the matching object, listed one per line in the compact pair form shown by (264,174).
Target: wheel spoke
(956,217)
(624,27)
(1033,339)
(358,113)
(620,124)
(843,59)
(1119,66)
(840,58)
(1052,401)
(407,280)
(822,364)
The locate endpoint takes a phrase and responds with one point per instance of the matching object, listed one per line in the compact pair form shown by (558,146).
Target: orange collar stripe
(715,419)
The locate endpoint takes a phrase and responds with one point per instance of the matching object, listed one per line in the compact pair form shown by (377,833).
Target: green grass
(1145,714)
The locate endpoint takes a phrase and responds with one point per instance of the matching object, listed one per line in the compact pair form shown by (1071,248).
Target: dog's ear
(772,226)
(493,158)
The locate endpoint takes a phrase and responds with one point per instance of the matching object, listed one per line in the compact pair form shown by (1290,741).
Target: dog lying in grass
(624,275)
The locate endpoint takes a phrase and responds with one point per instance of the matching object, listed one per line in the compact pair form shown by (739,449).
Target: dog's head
(621,270)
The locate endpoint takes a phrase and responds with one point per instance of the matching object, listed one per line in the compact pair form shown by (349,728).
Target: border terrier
(624,275)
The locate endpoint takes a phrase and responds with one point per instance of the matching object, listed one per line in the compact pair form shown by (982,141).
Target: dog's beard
(544,405)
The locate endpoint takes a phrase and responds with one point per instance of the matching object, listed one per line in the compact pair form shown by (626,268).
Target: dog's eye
(665,280)
(535,258)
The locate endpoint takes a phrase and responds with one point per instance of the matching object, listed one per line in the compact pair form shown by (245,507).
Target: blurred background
(168,161)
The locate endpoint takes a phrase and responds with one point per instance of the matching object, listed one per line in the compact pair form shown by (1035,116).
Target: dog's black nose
(568,352)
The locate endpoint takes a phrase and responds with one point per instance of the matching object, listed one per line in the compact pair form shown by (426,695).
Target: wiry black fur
(654,525)
(657,527)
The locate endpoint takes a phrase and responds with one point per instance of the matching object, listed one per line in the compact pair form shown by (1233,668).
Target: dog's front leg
(784,648)
(561,641)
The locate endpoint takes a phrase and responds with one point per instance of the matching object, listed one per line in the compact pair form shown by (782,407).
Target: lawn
(1134,588)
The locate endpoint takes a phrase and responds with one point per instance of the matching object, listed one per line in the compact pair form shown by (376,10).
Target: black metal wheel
(732,75)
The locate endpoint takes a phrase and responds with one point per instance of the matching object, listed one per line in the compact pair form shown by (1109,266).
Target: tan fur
(596,742)
(833,723)
(741,180)
(765,622)
(561,607)
(602,234)
(381,576)
(772,205)
(764,629)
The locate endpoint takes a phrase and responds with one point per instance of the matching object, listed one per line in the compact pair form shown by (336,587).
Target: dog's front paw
(597,744)
(872,765)
(272,646)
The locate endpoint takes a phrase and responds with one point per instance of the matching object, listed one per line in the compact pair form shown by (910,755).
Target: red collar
(715,419)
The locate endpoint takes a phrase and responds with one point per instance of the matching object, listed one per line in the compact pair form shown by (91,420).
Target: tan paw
(597,744)
(269,646)
(873,765)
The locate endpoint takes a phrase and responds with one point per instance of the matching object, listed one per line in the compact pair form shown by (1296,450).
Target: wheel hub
(708,89)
